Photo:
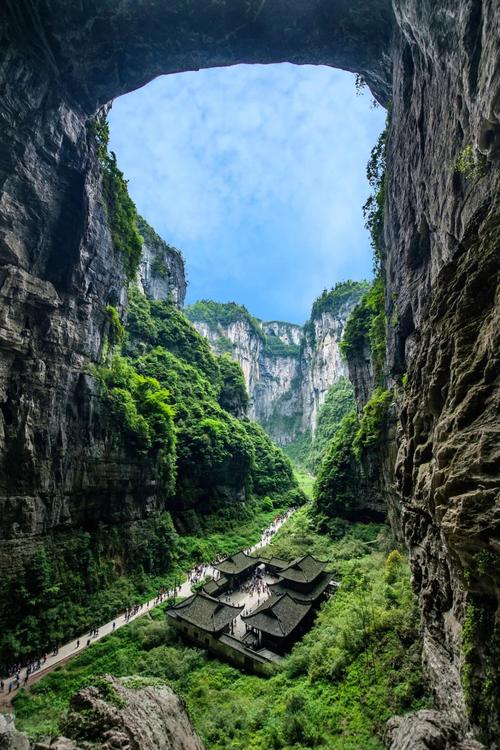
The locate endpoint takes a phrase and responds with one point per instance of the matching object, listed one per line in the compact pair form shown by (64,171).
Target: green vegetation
(219,314)
(121,211)
(299,449)
(336,489)
(143,413)
(373,421)
(305,482)
(116,327)
(216,314)
(169,407)
(233,396)
(331,301)
(471,163)
(78,579)
(275,347)
(366,329)
(339,479)
(480,651)
(338,403)
(357,667)
(373,210)
(308,452)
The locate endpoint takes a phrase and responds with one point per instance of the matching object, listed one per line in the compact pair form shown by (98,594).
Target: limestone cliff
(436,63)
(162,272)
(288,368)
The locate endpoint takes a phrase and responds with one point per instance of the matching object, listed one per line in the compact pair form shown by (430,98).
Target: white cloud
(249,169)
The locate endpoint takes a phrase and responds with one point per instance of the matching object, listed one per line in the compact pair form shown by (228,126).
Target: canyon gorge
(425,353)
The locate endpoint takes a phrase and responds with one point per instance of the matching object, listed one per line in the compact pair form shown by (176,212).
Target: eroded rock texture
(116,716)
(437,61)
(287,384)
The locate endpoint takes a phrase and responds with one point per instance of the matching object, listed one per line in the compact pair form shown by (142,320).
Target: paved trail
(78,645)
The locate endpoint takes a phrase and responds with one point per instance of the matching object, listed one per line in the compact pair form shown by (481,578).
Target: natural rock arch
(437,63)
(102,52)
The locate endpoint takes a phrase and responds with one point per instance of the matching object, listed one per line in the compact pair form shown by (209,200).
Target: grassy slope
(358,666)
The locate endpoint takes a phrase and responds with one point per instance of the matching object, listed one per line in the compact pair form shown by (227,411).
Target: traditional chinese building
(279,622)
(304,579)
(237,567)
(202,617)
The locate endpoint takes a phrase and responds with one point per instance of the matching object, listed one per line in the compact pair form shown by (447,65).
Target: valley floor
(77,645)
(359,665)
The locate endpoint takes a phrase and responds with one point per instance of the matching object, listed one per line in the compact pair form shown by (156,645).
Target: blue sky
(257,173)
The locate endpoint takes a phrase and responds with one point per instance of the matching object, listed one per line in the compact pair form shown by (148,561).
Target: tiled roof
(238,563)
(212,587)
(317,588)
(278,615)
(205,611)
(303,570)
(277,562)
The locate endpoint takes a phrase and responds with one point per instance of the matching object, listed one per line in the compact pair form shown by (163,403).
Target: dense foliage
(82,578)
(365,329)
(358,666)
(373,210)
(219,457)
(121,210)
(276,347)
(308,451)
(217,314)
(373,421)
(338,403)
(335,490)
(332,301)
(171,405)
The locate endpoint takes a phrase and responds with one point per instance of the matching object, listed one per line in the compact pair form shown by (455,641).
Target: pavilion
(202,617)
(279,621)
(237,567)
(304,579)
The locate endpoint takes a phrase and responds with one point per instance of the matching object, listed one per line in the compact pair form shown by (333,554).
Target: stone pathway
(78,645)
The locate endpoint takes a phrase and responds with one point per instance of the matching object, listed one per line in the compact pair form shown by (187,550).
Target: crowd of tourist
(16,676)
(200,572)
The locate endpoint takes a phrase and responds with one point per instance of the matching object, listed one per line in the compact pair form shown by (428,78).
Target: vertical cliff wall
(288,368)
(162,272)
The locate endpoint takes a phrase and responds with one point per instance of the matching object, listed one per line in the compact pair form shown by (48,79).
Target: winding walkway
(77,645)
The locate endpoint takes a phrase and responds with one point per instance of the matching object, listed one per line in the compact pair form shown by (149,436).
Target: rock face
(288,368)
(116,714)
(162,272)
(10,738)
(112,715)
(437,63)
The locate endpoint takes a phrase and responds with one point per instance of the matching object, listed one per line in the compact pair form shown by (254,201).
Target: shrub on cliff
(366,329)
(373,421)
(339,402)
(233,396)
(120,208)
(335,489)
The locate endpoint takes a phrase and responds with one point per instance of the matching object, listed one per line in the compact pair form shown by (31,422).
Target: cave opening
(257,173)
